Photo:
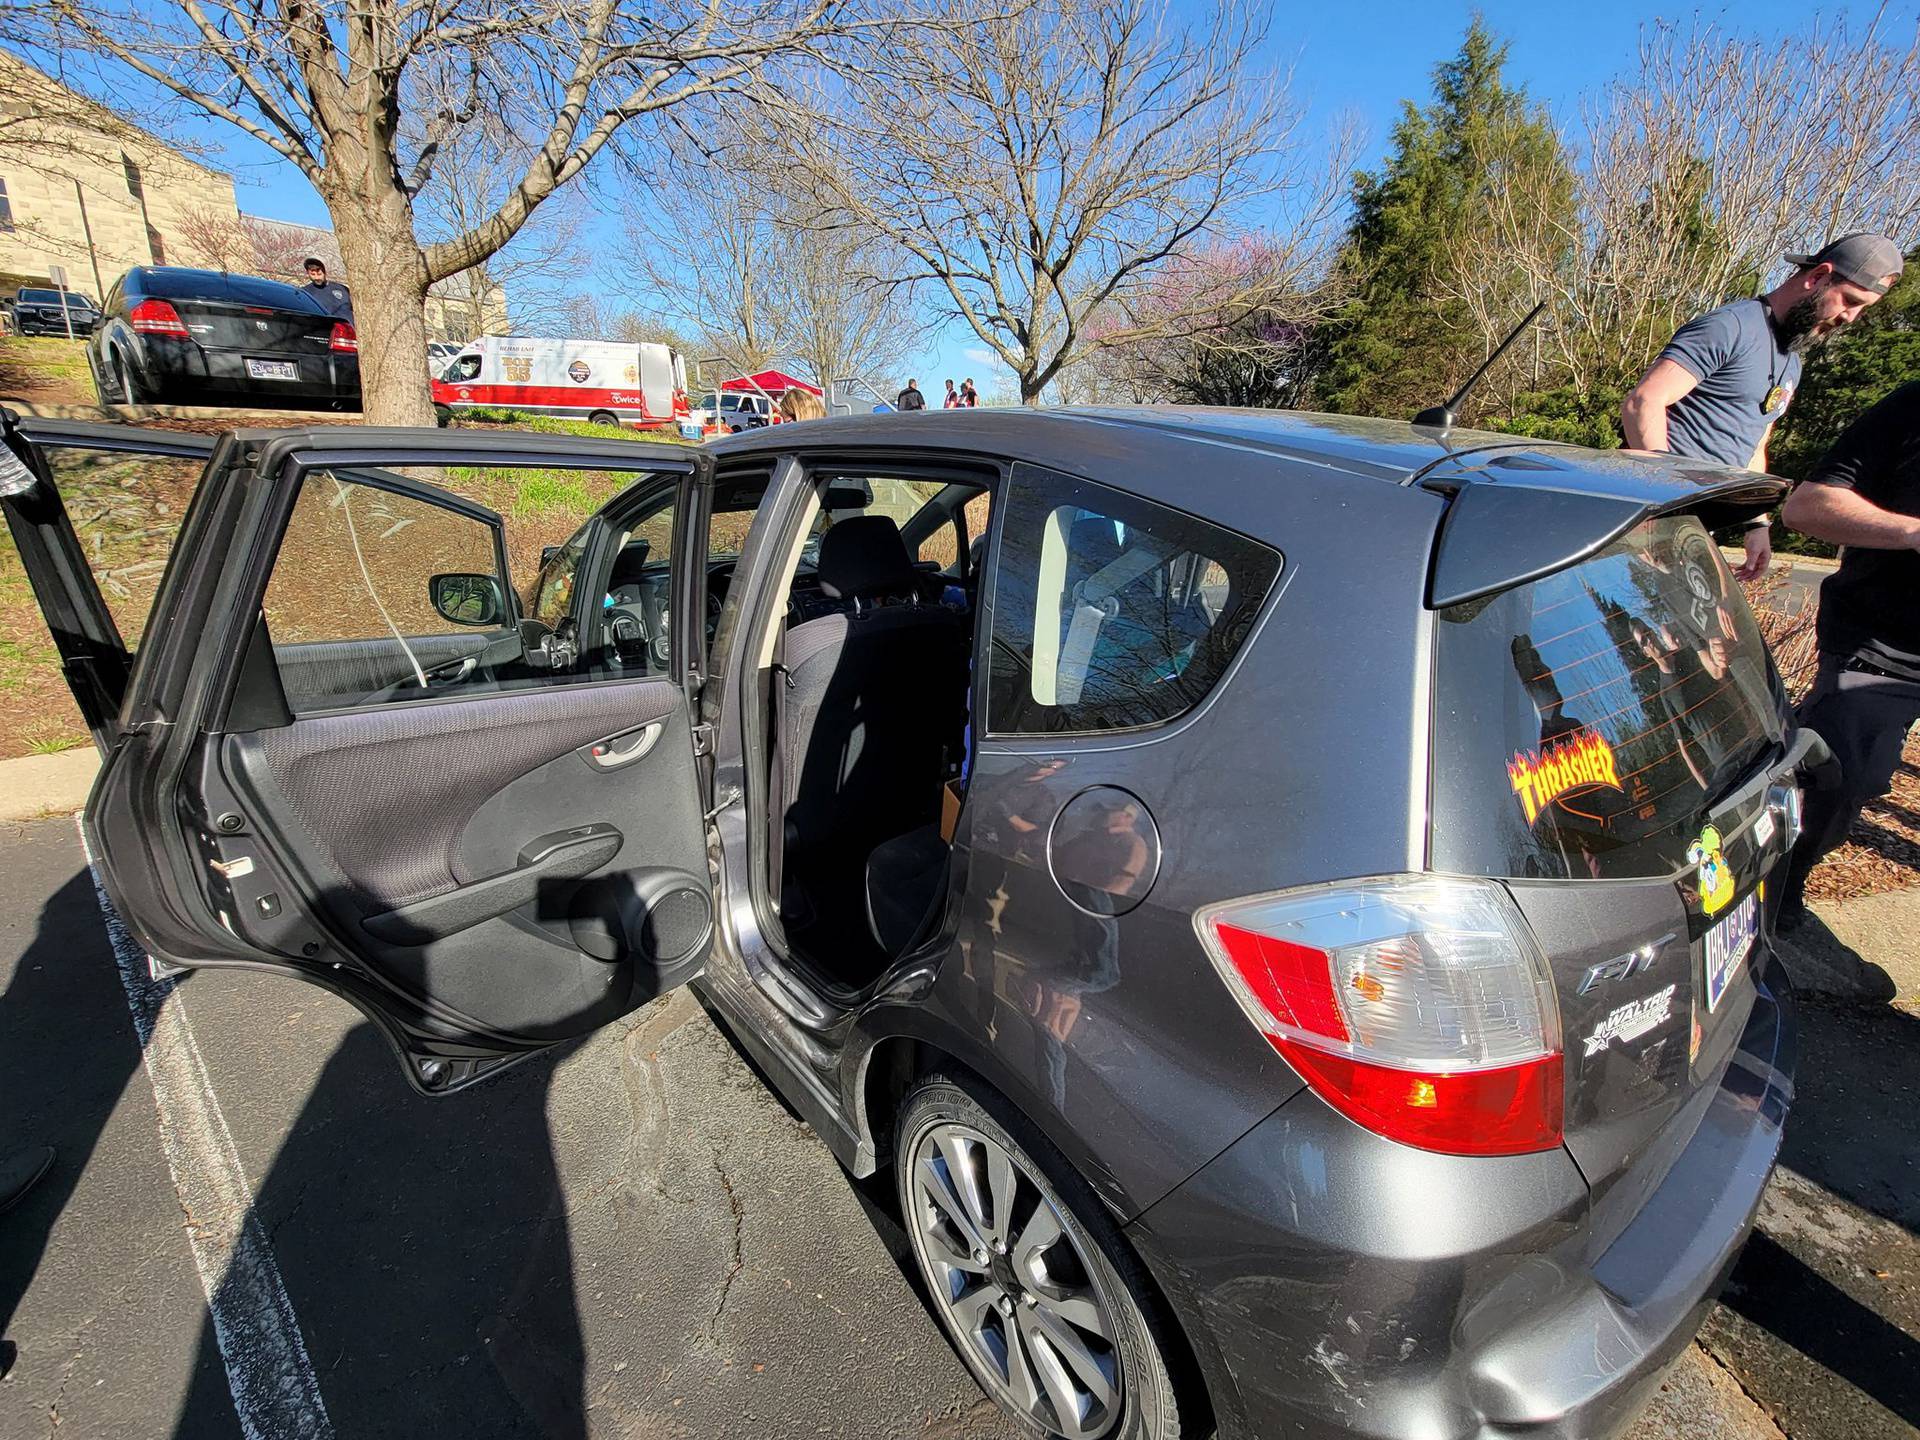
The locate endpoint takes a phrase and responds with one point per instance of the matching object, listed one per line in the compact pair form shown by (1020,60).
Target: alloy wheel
(1014,1282)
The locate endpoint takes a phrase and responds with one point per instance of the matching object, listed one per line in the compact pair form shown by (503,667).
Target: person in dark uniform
(334,297)
(911,398)
(1865,495)
(1726,377)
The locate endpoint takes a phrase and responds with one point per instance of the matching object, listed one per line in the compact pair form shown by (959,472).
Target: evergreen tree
(1414,251)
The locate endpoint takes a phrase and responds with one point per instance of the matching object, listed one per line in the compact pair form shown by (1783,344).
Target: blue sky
(1361,58)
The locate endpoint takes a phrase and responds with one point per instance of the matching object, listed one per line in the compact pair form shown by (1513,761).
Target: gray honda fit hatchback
(1283,895)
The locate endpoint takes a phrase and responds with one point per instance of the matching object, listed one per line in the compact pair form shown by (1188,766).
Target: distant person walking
(953,400)
(334,298)
(1865,495)
(1727,377)
(911,398)
(969,396)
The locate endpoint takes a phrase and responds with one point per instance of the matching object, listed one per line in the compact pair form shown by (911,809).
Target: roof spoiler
(1521,514)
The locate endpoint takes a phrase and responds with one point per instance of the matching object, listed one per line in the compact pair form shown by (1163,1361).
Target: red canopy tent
(774,382)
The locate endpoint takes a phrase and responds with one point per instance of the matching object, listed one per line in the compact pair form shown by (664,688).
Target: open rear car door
(347,751)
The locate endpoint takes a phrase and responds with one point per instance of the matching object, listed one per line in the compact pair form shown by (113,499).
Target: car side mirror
(476,600)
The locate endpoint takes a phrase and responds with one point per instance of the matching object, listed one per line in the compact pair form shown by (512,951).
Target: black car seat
(872,707)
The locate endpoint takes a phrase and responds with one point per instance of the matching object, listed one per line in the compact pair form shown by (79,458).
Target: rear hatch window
(1599,724)
(1585,724)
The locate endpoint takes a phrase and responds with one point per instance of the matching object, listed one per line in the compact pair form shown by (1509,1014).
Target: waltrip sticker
(1581,761)
(1631,1021)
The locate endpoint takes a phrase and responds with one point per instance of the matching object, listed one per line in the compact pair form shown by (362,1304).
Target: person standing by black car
(334,297)
(1865,495)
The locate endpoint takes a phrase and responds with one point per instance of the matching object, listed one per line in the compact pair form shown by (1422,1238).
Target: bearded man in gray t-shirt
(1727,377)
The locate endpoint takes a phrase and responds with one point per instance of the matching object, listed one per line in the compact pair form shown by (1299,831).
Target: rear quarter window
(1585,723)
(1111,612)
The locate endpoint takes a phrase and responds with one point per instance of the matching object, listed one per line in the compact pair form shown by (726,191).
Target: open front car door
(353,752)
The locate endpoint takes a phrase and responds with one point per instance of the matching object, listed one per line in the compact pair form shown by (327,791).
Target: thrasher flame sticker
(1578,762)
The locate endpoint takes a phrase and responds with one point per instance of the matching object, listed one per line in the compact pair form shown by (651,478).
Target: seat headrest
(864,556)
(629,563)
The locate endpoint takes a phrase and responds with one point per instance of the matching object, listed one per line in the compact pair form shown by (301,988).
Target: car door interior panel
(461,839)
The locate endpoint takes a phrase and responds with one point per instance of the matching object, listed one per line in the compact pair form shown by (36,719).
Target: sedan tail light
(1419,1007)
(343,338)
(157,317)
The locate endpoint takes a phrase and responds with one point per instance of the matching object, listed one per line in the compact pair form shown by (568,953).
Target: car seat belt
(782,682)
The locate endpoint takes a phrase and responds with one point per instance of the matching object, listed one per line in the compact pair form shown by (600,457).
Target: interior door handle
(564,855)
(622,749)
(454,671)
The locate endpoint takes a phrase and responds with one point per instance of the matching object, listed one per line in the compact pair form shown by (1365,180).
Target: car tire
(603,417)
(125,385)
(1075,1275)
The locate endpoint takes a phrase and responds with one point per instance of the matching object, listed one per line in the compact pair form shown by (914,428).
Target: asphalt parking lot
(635,1238)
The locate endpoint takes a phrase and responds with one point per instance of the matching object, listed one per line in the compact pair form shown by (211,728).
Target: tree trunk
(388,276)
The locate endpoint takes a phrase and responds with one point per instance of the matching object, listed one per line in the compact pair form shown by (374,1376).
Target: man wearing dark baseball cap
(1725,379)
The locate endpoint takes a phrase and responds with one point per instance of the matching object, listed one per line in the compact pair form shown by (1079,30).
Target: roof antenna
(1441,417)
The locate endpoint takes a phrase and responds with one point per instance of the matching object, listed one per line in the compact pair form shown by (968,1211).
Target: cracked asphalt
(634,1238)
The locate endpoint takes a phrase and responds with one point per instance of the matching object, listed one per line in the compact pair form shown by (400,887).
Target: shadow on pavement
(1821,1315)
(427,1243)
(1819,960)
(61,1078)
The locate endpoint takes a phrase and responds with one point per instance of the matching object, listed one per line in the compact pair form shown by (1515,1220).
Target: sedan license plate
(272,370)
(1727,944)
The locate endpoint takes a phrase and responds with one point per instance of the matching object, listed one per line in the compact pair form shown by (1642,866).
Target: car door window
(1111,612)
(383,592)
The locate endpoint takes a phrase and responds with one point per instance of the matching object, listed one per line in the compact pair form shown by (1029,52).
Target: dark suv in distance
(1282,895)
(208,337)
(49,312)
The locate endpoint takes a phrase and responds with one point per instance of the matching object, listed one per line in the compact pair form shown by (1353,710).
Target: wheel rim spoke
(945,1252)
(1072,1350)
(1039,1236)
(964,1177)
(1020,1383)
(1052,1370)
(972,1308)
(1076,1308)
(1003,1183)
(939,1191)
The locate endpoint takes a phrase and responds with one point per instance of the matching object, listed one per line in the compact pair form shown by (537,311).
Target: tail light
(1419,1007)
(343,338)
(157,317)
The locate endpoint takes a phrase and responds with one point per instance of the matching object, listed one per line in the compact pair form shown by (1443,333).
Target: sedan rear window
(229,289)
(1584,724)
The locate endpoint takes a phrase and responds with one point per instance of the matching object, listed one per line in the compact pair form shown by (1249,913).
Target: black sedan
(49,312)
(204,337)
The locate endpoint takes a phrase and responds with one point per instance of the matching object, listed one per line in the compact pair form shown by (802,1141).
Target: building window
(157,246)
(6,208)
(133,177)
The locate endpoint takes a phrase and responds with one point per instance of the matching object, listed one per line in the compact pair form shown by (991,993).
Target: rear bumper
(1338,1285)
(181,369)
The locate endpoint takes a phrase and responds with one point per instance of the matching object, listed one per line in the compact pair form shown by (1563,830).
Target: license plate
(1727,944)
(272,370)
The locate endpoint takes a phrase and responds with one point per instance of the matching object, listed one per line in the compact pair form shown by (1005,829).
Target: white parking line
(275,1392)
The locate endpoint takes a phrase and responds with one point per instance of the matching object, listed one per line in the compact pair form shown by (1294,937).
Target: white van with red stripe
(611,384)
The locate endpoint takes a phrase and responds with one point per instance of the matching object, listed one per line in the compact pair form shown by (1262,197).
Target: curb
(35,786)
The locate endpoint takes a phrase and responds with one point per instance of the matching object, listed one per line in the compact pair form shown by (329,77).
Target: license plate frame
(272,369)
(1725,947)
